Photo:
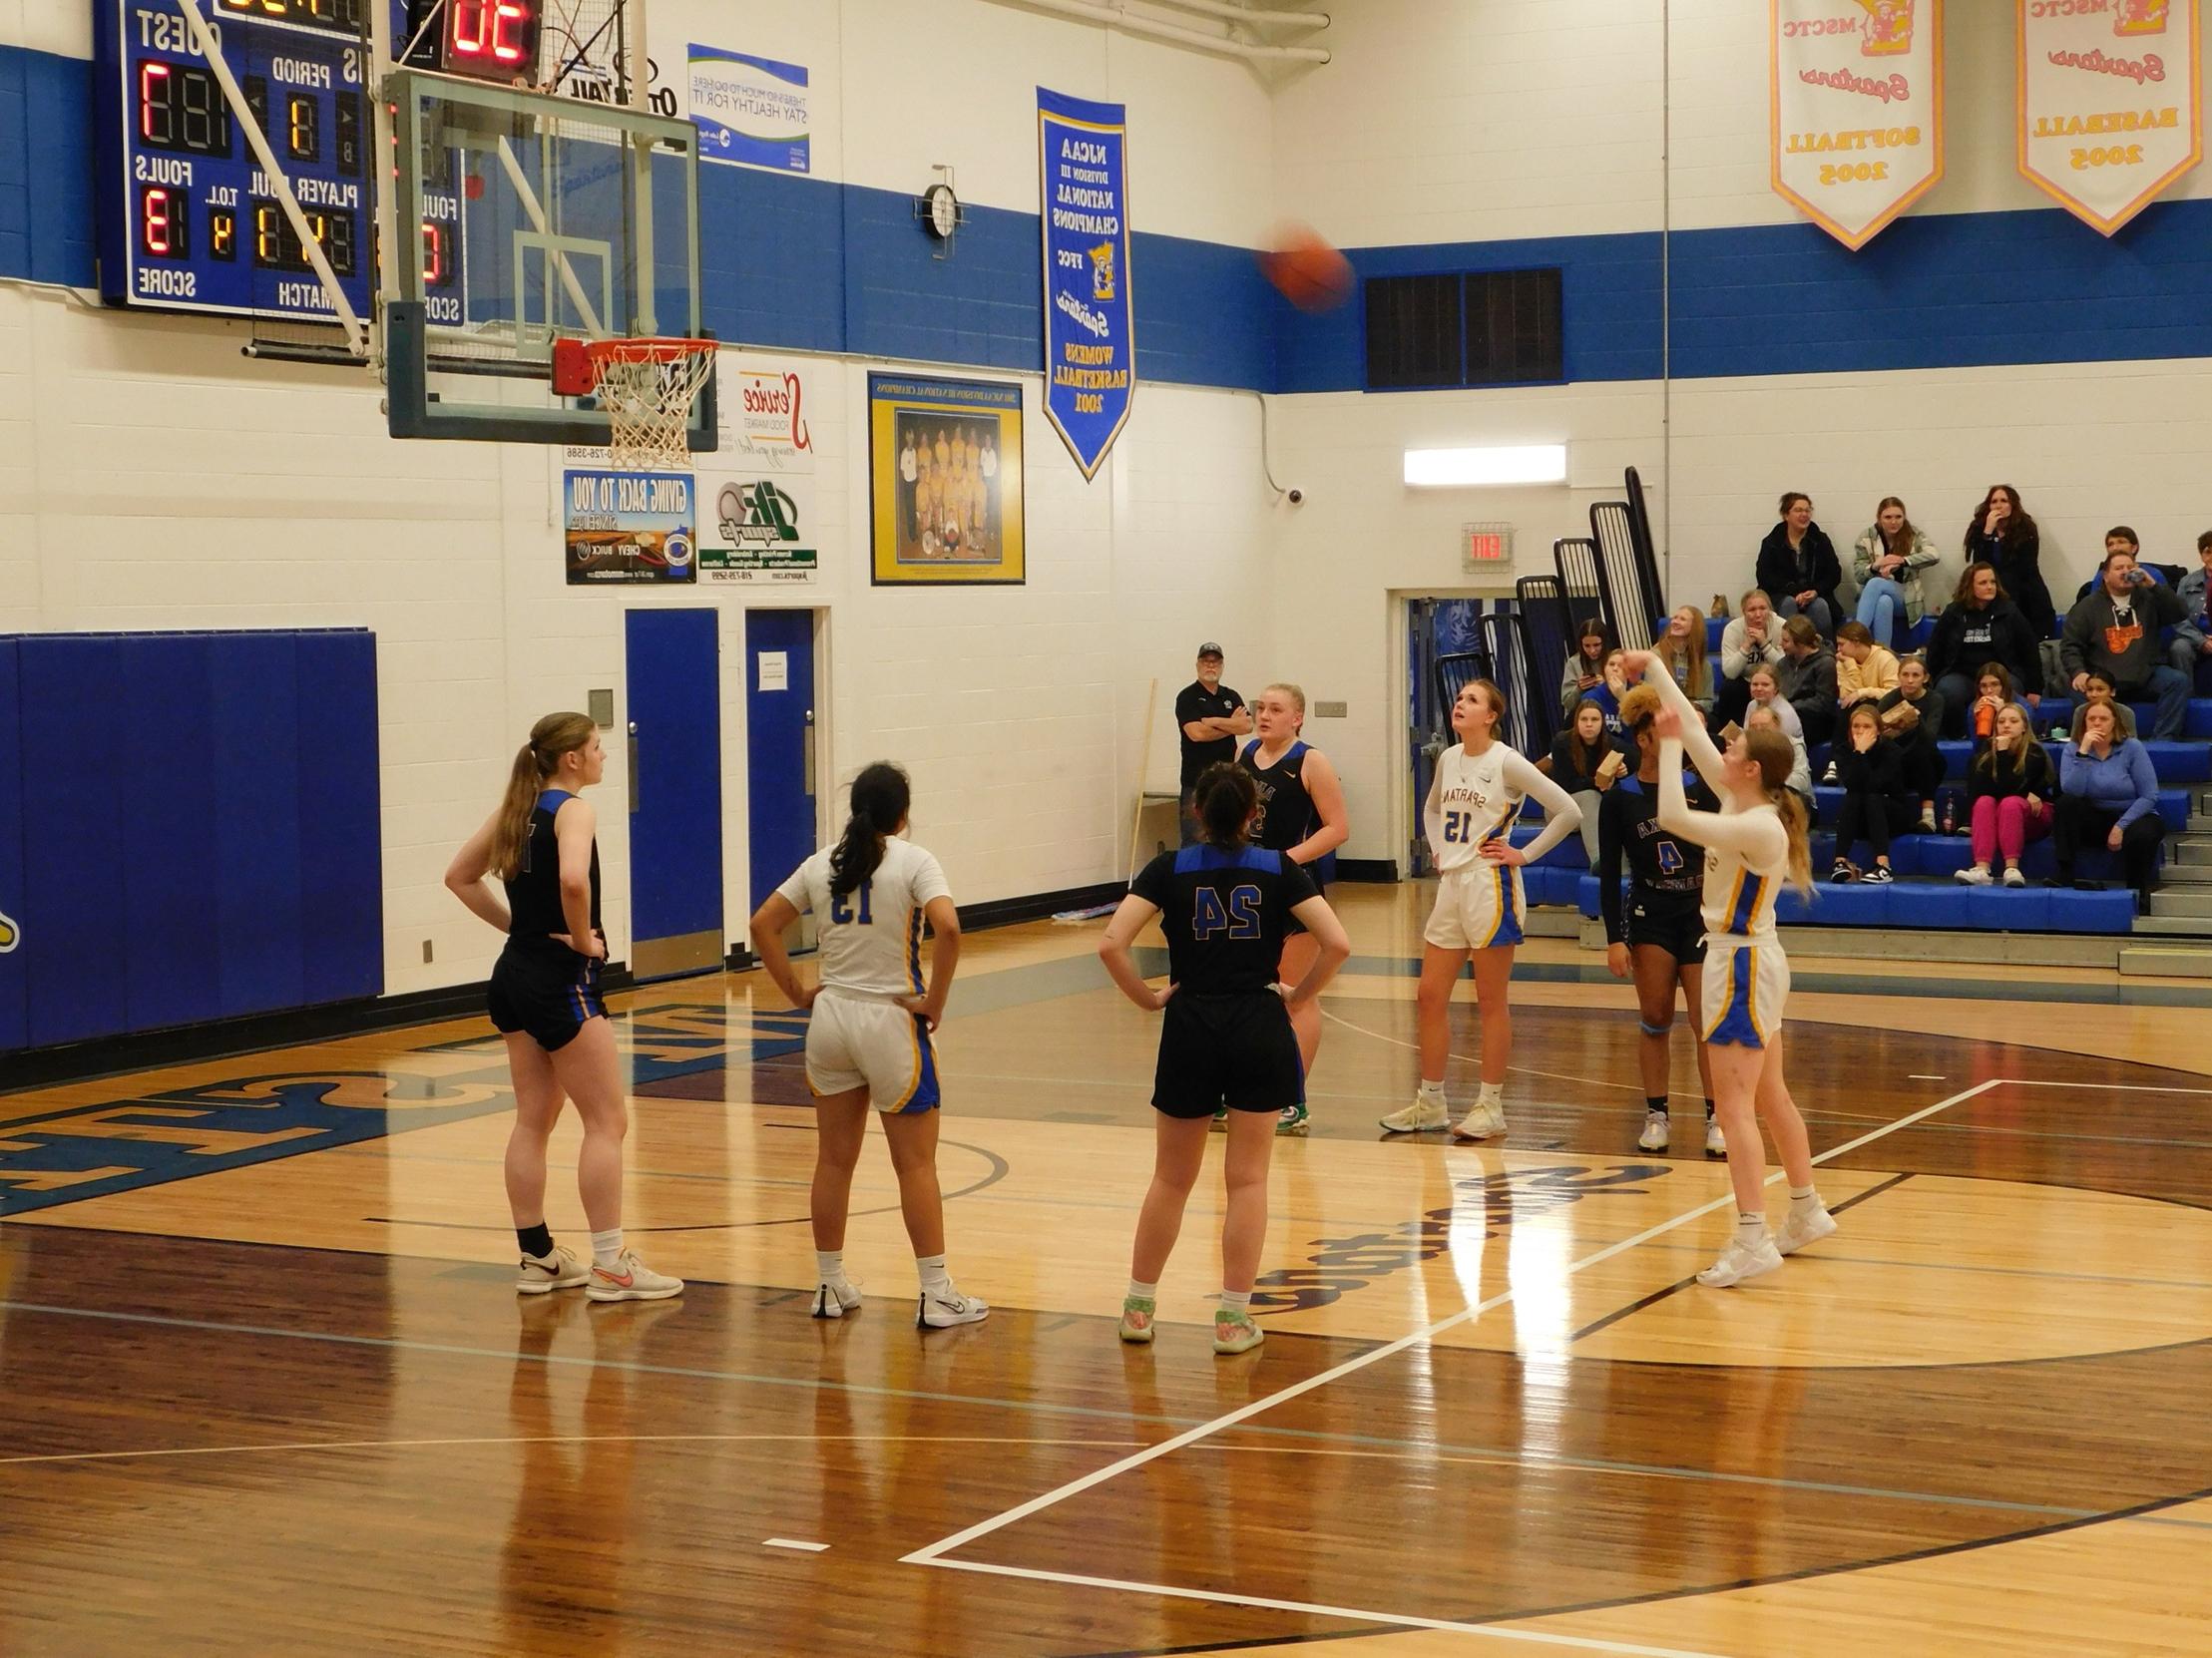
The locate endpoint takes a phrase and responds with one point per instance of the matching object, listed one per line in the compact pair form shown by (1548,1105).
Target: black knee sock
(536,1241)
(1655,1104)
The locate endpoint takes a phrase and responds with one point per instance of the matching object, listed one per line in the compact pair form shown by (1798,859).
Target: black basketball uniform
(540,985)
(1287,812)
(1666,874)
(1225,1036)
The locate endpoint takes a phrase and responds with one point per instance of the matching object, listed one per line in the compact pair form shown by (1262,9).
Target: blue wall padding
(190,828)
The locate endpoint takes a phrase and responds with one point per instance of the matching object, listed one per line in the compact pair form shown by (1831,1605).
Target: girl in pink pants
(2011,783)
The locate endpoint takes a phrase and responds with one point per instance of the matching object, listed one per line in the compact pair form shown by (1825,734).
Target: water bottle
(1950,814)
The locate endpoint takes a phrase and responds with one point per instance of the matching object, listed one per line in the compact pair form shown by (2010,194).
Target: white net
(647,388)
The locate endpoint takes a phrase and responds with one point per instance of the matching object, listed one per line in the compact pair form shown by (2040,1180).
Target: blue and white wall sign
(751,111)
(1090,348)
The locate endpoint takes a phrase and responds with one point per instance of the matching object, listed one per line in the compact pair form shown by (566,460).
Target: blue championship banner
(1090,346)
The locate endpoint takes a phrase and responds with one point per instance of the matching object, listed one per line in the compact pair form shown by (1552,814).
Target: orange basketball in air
(1306,271)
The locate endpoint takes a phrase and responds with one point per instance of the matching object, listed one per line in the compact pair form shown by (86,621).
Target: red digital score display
(494,40)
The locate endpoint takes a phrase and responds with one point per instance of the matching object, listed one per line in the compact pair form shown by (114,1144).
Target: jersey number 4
(841,913)
(1670,858)
(1240,920)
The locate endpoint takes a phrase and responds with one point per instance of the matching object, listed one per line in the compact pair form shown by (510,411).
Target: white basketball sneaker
(1740,1262)
(1809,1228)
(1655,1135)
(942,1312)
(1426,1112)
(835,1301)
(1481,1123)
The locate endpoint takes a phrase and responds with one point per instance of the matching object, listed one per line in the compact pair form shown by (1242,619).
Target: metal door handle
(810,784)
(634,765)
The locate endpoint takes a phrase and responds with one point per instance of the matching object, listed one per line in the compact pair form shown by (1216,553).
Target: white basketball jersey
(871,937)
(1474,802)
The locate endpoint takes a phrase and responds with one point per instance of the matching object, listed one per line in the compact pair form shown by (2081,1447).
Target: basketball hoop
(646,386)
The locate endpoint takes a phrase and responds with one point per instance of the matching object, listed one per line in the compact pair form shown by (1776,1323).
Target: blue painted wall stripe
(810,264)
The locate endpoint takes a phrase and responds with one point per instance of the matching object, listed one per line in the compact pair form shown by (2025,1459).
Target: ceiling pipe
(1114,18)
(1243,14)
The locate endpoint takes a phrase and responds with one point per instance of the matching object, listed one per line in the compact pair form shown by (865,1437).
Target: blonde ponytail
(535,763)
(1794,823)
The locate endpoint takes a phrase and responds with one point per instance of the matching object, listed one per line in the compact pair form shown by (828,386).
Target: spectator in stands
(1612,688)
(1801,769)
(1887,561)
(1981,625)
(1912,717)
(1753,636)
(1586,667)
(1864,670)
(1808,677)
(2000,533)
(2010,785)
(1766,692)
(1681,651)
(2116,629)
(1875,804)
(2099,688)
(1585,762)
(1992,695)
(1798,566)
(2193,636)
(2108,793)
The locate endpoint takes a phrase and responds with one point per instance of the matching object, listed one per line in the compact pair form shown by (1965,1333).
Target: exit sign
(1486,546)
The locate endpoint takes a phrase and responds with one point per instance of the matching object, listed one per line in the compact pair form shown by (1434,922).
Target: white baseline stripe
(2108,1088)
(1580,1643)
(932,1554)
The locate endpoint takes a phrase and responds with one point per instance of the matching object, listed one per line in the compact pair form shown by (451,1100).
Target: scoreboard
(188,220)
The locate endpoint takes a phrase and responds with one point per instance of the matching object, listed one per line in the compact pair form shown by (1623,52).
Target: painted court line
(792,1543)
(1401,1620)
(933,1554)
(2109,1088)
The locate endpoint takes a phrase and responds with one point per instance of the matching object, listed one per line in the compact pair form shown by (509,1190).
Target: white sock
(1750,1229)
(935,1278)
(830,1266)
(1493,1093)
(606,1247)
(1237,1303)
(1432,1091)
(1803,1200)
(1143,1292)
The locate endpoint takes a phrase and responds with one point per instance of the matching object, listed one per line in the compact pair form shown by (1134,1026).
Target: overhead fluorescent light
(1529,463)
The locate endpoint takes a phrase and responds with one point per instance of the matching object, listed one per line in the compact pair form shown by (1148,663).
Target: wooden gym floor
(266,1388)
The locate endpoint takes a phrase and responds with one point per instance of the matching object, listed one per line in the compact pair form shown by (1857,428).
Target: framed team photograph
(945,480)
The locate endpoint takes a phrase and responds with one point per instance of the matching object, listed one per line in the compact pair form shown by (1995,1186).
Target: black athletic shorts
(1236,1051)
(546,994)
(1677,929)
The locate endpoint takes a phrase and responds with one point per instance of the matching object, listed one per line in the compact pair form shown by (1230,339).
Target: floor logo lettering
(1337,1266)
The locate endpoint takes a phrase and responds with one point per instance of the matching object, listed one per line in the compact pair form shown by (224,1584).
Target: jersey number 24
(1240,919)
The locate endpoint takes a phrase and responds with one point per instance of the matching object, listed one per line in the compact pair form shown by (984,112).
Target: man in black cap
(1210,717)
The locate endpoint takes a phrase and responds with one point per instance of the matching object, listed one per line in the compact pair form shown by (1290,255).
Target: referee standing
(1210,717)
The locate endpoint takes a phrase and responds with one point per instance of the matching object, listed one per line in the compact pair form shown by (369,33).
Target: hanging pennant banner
(1856,108)
(2110,101)
(1090,354)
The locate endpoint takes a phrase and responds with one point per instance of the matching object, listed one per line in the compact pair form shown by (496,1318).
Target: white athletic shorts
(1476,906)
(853,1042)
(1746,987)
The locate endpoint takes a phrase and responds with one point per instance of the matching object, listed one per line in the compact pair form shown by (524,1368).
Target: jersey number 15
(1240,920)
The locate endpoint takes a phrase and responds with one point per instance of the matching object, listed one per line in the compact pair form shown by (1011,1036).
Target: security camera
(1297,496)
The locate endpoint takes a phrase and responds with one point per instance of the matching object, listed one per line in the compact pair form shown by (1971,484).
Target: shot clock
(188,220)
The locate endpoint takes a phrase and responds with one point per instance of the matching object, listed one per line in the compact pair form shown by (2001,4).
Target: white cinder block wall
(1450,124)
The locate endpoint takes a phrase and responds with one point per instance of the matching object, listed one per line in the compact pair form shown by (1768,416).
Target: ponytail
(880,797)
(1225,795)
(535,763)
(1776,756)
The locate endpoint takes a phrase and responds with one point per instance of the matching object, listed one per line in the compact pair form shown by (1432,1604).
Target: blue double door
(675,753)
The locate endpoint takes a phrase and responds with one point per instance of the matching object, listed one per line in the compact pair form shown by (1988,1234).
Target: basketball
(1307,271)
